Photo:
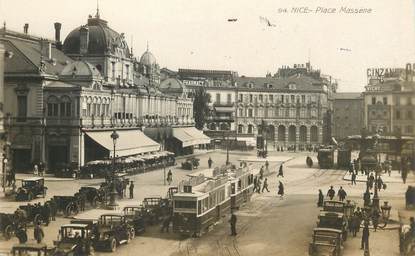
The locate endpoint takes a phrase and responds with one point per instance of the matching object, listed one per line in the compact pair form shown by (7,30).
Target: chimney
(84,40)
(58,35)
(407,71)
(26,28)
(46,49)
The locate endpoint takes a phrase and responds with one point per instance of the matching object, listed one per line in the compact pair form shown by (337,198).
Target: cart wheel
(8,232)
(30,196)
(37,219)
(113,245)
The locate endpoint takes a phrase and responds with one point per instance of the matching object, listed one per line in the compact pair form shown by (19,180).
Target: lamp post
(227,149)
(113,205)
(4,171)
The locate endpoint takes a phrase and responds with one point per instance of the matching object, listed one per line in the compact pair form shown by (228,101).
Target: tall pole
(227,150)
(113,204)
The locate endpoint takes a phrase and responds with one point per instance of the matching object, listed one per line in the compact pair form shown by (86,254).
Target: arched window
(292,133)
(303,133)
(313,134)
(53,106)
(250,129)
(240,128)
(65,106)
(281,133)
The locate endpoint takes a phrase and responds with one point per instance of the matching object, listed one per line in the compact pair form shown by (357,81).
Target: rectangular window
(250,112)
(250,98)
(292,99)
(240,97)
(409,129)
(127,72)
(398,114)
(385,101)
(282,98)
(241,112)
(229,98)
(271,98)
(113,70)
(373,100)
(409,102)
(260,98)
(398,100)
(22,108)
(302,98)
(217,97)
(409,114)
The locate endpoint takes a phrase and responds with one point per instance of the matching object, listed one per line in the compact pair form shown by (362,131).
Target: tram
(208,196)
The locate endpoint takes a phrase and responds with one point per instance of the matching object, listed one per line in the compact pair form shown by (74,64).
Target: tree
(201,107)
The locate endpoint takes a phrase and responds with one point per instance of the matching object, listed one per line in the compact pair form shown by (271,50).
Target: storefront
(185,139)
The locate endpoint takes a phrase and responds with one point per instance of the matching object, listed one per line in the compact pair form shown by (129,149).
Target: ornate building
(64,100)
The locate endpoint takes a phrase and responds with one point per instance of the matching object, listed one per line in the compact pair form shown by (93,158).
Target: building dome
(101,38)
(148,59)
(80,69)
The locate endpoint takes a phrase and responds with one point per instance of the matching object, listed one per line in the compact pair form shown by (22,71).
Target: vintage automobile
(333,220)
(190,163)
(325,157)
(112,230)
(155,209)
(8,225)
(326,241)
(31,188)
(134,216)
(333,206)
(31,214)
(30,249)
(68,205)
(75,239)
(94,196)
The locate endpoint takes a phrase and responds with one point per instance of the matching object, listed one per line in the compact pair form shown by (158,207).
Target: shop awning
(190,136)
(225,109)
(130,142)
(250,141)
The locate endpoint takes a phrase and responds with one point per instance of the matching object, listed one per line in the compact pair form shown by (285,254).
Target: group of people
(38,234)
(341,193)
(261,184)
(39,169)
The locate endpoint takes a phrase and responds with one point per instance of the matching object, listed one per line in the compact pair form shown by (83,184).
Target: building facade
(389,102)
(348,114)
(64,99)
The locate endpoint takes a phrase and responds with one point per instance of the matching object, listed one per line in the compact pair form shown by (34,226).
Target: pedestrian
(280,172)
(389,168)
(21,234)
(354,221)
(309,162)
(375,219)
(366,197)
(210,162)
(320,198)
(341,194)
(353,178)
(359,218)
(38,233)
(35,170)
(166,224)
(281,190)
(232,221)
(46,213)
(371,180)
(258,186)
(53,208)
(379,183)
(261,173)
(331,193)
(266,165)
(265,186)
(169,177)
(255,183)
(365,238)
(131,188)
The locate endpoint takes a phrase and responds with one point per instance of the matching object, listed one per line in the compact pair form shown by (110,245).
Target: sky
(197,34)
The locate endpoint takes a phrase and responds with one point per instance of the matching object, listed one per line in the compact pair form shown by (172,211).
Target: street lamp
(378,170)
(4,172)
(113,205)
(227,150)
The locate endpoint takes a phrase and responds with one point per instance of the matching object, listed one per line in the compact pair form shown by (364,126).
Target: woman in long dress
(281,190)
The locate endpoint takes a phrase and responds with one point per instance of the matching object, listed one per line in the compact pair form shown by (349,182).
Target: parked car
(111,231)
(134,216)
(30,249)
(75,239)
(190,163)
(333,220)
(326,241)
(31,188)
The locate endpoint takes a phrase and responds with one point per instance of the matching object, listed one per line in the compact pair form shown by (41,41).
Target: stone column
(297,137)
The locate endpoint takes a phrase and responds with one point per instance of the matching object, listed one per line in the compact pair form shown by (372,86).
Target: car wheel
(30,196)
(113,245)
(8,232)
(94,202)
